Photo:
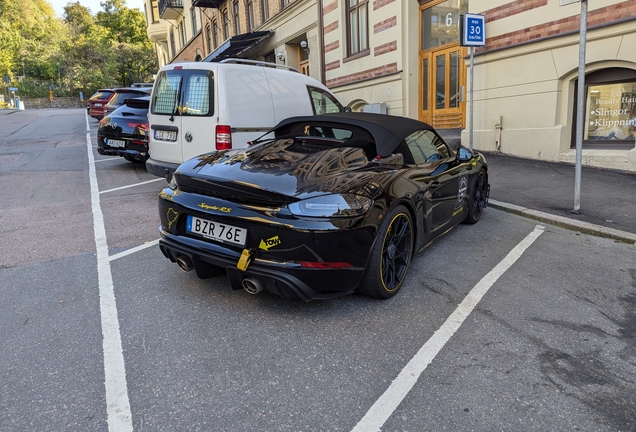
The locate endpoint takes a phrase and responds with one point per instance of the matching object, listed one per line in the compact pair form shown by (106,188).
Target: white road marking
(132,185)
(117,403)
(382,409)
(108,160)
(133,250)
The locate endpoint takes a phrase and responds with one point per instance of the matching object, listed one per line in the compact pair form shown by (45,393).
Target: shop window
(610,110)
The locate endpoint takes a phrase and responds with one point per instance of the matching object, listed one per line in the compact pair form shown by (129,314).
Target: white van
(198,107)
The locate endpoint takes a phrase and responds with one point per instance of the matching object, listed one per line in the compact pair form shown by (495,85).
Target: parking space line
(133,250)
(382,409)
(118,411)
(107,160)
(132,185)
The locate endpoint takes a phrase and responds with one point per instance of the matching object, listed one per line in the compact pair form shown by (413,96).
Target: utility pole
(580,105)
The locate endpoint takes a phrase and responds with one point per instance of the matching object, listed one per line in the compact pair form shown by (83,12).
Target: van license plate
(165,135)
(216,231)
(116,143)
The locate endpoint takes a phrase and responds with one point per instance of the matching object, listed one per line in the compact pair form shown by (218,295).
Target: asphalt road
(549,345)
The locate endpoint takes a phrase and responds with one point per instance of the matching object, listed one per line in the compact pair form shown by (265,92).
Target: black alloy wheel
(477,200)
(390,256)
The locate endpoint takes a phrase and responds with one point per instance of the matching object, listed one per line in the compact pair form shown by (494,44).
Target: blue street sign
(473,30)
(13,89)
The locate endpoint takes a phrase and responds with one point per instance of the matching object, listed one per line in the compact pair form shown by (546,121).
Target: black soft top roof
(385,130)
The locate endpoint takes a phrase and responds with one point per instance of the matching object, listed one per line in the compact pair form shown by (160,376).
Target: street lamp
(58,73)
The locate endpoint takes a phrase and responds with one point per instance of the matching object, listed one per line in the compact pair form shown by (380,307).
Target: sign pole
(580,114)
(472,31)
(471,110)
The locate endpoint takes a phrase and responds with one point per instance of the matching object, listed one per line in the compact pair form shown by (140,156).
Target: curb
(564,222)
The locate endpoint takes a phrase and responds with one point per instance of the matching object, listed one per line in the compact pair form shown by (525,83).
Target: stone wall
(58,102)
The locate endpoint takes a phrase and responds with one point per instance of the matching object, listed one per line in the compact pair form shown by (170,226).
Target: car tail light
(141,143)
(143,129)
(323,264)
(223,137)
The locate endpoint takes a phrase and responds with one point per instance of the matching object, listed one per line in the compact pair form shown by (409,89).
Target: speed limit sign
(473,30)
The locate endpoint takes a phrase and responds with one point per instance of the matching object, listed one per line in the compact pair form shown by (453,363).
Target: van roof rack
(258,63)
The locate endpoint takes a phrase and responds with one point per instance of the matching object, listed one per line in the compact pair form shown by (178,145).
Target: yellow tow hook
(245,259)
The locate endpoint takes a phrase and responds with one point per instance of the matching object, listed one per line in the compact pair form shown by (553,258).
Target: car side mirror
(464,155)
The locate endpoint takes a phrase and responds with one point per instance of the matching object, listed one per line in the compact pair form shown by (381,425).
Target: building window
(284,3)
(193,19)
(440,23)
(610,113)
(265,10)
(155,11)
(226,25)
(270,57)
(208,37)
(215,33)
(250,15)
(173,50)
(182,34)
(357,26)
(237,25)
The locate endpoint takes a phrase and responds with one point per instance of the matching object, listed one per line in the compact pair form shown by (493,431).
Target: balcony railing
(170,9)
(208,3)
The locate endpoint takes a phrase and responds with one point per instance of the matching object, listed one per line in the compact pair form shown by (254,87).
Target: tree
(125,25)
(29,37)
(81,50)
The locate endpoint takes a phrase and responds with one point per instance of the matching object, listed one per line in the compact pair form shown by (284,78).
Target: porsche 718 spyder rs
(326,206)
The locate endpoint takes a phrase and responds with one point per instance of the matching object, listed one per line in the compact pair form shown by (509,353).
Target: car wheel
(477,200)
(129,158)
(390,256)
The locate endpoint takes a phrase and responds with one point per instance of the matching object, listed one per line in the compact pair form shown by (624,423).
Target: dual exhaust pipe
(250,284)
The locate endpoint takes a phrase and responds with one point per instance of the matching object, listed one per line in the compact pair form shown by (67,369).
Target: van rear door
(198,112)
(165,120)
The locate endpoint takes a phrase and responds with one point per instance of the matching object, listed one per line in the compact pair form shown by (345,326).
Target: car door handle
(435,185)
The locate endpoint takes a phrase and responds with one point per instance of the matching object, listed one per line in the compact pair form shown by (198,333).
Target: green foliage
(81,52)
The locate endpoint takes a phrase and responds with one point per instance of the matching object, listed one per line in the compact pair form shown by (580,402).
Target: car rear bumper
(129,153)
(285,279)
(161,169)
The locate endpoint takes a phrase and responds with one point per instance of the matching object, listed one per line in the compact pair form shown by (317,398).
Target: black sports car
(332,204)
(124,132)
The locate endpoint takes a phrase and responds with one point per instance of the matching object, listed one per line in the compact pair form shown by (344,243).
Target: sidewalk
(545,191)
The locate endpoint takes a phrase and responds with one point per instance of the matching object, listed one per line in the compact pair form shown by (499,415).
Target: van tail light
(223,137)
